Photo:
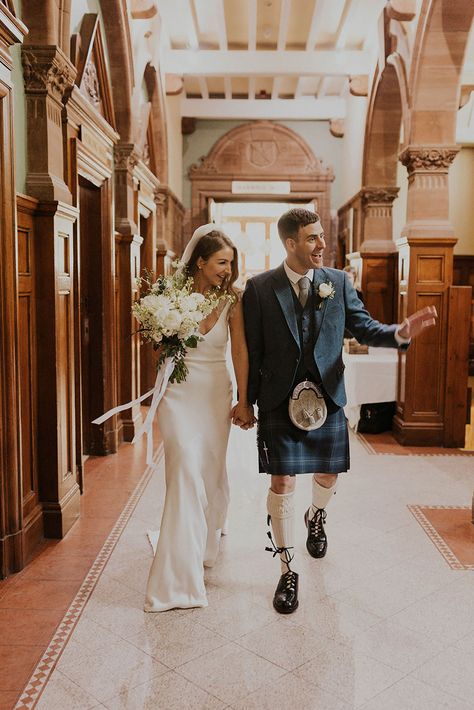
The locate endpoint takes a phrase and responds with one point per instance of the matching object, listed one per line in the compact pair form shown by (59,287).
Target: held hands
(243,416)
(417,322)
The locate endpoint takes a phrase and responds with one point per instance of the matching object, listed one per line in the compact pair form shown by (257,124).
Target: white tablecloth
(369,378)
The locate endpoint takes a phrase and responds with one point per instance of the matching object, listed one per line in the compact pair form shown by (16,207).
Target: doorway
(91,308)
(252,226)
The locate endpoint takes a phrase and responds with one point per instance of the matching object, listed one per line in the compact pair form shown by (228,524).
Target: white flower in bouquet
(169,316)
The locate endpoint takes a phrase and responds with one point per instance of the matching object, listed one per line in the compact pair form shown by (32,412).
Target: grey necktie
(304,285)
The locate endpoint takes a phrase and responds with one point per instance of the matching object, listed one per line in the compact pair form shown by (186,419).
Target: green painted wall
(315,133)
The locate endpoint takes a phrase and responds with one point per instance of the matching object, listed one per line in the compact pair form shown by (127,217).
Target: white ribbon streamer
(162,378)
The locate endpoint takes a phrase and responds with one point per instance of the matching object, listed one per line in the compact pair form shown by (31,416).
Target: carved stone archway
(260,151)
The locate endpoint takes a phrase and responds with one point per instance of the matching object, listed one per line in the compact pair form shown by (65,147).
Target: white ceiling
(272,58)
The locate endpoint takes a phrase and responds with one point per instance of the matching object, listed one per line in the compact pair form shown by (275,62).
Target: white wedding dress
(194,421)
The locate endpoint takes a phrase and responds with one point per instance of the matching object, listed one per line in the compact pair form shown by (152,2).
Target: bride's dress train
(194,421)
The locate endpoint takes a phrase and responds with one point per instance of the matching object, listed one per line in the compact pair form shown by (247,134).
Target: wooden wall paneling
(11,514)
(459,311)
(464,276)
(147,264)
(27,325)
(11,554)
(420,421)
(378,285)
(58,480)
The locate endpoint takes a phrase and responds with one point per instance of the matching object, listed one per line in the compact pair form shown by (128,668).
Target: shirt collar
(294,276)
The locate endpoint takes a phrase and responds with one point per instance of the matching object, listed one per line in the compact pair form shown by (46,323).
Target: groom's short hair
(290,222)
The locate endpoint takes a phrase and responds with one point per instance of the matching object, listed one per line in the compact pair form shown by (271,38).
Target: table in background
(369,378)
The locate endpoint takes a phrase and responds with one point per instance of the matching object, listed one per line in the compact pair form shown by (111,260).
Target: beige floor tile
(290,692)
(354,677)
(167,692)
(105,672)
(334,619)
(231,672)
(411,694)
(174,641)
(397,646)
(284,643)
(451,671)
(61,693)
(233,616)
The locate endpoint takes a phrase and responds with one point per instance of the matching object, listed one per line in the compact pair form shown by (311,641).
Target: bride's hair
(208,245)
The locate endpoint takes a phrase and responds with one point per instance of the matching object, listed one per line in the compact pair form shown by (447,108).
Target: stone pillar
(47,73)
(425,273)
(11,514)
(128,243)
(378,252)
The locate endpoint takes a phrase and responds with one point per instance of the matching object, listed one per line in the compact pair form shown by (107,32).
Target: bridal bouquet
(169,316)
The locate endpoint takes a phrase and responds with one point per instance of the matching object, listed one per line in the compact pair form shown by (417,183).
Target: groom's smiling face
(306,252)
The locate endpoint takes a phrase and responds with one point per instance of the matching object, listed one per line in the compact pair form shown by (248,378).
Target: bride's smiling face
(217,269)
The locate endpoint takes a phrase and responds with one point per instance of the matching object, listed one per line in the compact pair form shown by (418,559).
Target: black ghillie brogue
(316,542)
(285,599)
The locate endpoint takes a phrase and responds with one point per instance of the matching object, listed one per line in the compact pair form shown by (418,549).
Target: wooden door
(91,306)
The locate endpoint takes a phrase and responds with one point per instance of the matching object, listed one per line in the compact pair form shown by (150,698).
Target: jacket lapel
(319,277)
(282,288)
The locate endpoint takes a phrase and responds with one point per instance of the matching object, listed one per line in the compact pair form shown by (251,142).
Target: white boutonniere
(326,290)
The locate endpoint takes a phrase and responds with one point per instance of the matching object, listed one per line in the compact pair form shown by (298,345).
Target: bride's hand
(243,416)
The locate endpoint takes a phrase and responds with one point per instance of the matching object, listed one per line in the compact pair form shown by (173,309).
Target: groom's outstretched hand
(417,322)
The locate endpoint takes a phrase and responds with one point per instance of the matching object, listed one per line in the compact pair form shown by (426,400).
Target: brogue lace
(316,523)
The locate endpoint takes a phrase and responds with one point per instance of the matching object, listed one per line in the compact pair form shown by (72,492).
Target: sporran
(306,407)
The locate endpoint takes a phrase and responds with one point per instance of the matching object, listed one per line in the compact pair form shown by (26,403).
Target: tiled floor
(384,622)
(33,602)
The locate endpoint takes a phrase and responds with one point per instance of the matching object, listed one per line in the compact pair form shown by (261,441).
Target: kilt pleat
(284,449)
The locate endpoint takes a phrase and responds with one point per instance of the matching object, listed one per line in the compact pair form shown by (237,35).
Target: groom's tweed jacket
(274,342)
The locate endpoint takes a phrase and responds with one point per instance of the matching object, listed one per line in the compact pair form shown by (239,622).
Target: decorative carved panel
(265,151)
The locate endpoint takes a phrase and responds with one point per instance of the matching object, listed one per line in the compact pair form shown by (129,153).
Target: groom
(295,318)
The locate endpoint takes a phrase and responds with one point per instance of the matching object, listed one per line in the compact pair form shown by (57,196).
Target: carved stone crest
(90,84)
(262,153)
(379,195)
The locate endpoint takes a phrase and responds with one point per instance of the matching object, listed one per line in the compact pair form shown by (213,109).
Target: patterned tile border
(445,452)
(433,534)
(47,663)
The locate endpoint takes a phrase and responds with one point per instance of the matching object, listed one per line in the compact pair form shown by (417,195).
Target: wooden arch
(260,151)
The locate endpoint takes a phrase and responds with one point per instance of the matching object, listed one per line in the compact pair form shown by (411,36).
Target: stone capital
(435,158)
(379,195)
(47,71)
(161,196)
(126,156)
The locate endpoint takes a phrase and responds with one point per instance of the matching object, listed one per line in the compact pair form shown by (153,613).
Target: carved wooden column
(378,252)
(162,203)
(128,243)
(425,274)
(11,552)
(47,74)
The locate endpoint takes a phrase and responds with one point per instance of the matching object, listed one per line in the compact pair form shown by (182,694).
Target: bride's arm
(242,413)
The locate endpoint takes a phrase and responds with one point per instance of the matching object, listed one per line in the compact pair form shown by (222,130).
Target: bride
(194,418)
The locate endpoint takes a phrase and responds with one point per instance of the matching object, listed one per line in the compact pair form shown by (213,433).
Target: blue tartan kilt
(283,449)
